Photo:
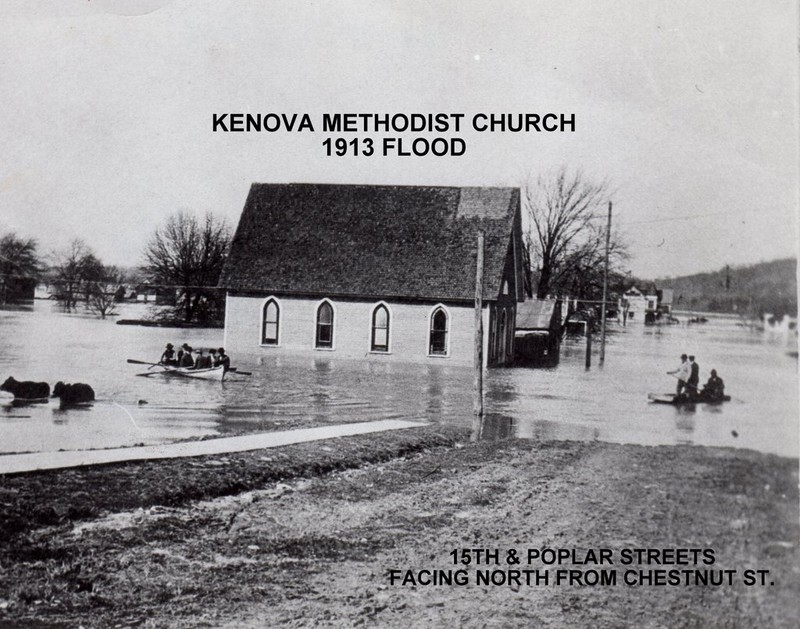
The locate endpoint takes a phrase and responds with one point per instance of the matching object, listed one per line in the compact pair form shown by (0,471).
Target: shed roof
(377,241)
(535,314)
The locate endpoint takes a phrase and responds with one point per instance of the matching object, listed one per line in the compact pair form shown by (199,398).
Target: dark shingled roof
(370,241)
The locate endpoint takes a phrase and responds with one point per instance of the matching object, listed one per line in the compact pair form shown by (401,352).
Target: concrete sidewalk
(14,463)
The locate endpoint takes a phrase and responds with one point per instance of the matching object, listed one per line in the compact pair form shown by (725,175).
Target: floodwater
(607,403)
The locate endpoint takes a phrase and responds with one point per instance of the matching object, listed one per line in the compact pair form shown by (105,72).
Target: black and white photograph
(399,313)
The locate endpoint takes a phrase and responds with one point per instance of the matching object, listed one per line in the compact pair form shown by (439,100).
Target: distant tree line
(749,290)
(184,256)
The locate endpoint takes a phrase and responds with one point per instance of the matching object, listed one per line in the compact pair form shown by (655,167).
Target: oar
(241,373)
(691,386)
(143,362)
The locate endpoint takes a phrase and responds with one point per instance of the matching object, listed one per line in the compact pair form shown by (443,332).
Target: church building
(374,272)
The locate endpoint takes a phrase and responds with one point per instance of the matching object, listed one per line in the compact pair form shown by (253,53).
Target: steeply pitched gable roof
(370,241)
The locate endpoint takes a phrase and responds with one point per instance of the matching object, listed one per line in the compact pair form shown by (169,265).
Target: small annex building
(382,272)
(538,332)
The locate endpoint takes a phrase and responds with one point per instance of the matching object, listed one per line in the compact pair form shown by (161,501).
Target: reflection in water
(685,409)
(435,393)
(495,427)
(684,421)
(564,402)
(319,394)
(503,392)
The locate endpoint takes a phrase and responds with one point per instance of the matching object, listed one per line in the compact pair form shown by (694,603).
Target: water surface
(566,402)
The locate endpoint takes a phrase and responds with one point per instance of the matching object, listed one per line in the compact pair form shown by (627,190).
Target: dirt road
(319,551)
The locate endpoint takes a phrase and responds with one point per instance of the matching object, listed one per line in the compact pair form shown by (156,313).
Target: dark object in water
(26,391)
(678,400)
(142,402)
(167,324)
(73,394)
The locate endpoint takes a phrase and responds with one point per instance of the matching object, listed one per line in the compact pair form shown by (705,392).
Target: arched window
(270,323)
(380,329)
(324,336)
(438,335)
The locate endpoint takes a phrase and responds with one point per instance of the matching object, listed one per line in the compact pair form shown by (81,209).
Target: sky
(688,109)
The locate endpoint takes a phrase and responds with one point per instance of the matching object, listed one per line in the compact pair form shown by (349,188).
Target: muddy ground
(307,536)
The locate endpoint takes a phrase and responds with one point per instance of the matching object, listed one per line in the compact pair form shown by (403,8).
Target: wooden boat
(210,373)
(675,400)
(207,373)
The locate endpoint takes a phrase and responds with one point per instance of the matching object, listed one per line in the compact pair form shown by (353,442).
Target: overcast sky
(688,108)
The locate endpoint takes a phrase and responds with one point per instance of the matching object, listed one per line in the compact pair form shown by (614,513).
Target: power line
(687,217)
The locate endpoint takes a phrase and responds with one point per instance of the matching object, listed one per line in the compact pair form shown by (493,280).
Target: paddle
(691,386)
(144,362)
(133,361)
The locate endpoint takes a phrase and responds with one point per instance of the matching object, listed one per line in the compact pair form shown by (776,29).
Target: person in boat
(186,360)
(202,361)
(168,357)
(714,389)
(693,382)
(212,356)
(223,359)
(682,373)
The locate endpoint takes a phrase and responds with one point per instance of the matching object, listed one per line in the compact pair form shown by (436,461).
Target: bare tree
(19,264)
(581,274)
(75,267)
(188,254)
(102,292)
(563,239)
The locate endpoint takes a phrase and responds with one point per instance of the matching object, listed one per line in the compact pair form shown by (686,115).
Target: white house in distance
(373,272)
(635,305)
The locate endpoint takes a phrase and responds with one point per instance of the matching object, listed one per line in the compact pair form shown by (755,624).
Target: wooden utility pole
(605,292)
(588,361)
(478,402)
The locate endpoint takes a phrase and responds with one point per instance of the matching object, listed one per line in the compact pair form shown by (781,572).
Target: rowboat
(209,373)
(675,400)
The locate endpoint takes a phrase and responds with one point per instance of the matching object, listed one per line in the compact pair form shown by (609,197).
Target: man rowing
(682,373)
(694,376)
(168,357)
(223,359)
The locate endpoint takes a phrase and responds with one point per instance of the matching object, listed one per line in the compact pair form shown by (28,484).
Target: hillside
(746,290)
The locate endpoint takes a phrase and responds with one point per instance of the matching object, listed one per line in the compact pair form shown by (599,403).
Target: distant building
(376,272)
(636,306)
(17,289)
(666,298)
(633,304)
(651,308)
(148,293)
